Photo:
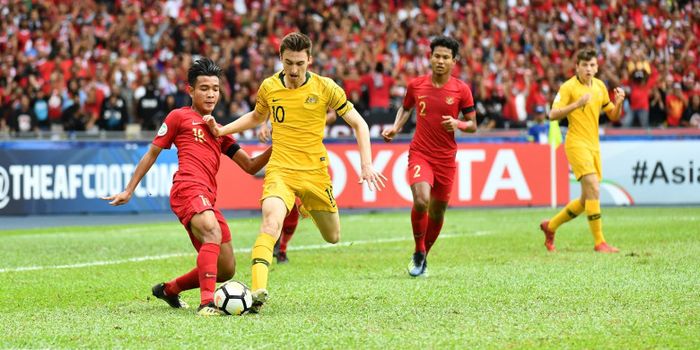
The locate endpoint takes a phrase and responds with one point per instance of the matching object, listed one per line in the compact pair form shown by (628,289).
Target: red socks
(206,266)
(432,232)
(288,228)
(419,221)
(187,281)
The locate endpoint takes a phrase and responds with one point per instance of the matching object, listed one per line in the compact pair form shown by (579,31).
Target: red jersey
(198,151)
(639,95)
(431,103)
(379,89)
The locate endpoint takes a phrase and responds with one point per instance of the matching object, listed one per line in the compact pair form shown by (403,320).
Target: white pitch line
(242,250)
(63,234)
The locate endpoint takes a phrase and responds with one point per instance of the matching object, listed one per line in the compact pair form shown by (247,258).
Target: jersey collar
(281,77)
(580,82)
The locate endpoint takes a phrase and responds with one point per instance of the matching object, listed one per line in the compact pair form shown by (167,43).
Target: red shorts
(439,175)
(188,199)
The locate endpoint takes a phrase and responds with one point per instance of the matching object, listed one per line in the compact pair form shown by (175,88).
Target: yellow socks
(594,220)
(572,210)
(262,258)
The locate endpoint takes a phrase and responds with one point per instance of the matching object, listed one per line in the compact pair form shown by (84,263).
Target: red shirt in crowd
(379,88)
(639,95)
(352,86)
(674,109)
(93,106)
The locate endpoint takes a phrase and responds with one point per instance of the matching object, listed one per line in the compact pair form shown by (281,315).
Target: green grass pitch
(491,285)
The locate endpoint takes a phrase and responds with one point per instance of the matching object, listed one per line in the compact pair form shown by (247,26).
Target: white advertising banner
(649,173)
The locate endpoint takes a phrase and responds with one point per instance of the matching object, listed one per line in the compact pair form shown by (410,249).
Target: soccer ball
(233,297)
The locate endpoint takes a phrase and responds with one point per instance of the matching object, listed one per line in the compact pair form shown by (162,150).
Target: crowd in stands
(100,65)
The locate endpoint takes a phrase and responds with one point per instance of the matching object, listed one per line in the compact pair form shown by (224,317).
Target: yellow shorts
(584,161)
(313,187)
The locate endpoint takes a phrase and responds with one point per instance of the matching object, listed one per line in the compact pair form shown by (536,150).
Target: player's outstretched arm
(252,165)
(142,168)
(560,113)
(614,113)
(373,178)
(245,122)
(402,116)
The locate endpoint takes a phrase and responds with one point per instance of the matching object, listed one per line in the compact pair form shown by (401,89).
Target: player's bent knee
(271,227)
(420,206)
(591,193)
(333,239)
(331,235)
(211,235)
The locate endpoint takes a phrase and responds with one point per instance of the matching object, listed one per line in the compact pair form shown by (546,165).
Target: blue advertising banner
(70,177)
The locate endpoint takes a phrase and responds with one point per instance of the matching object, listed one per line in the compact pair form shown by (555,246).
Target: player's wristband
(462,125)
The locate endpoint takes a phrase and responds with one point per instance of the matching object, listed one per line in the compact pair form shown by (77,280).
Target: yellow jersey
(298,118)
(583,122)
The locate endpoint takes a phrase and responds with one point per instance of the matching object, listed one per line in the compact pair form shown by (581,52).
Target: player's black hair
(296,42)
(445,41)
(586,54)
(205,67)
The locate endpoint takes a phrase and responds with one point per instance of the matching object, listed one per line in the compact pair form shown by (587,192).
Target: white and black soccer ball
(233,297)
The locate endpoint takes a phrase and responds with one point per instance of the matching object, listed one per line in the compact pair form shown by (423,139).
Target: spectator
(691,115)
(126,92)
(640,88)
(149,108)
(41,110)
(657,106)
(675,104)
(22,119)
(221,109)
(113,114)
(352,84)
(169,103)
(74,117)
(149,35)
(46,47)
(493,105)
(93,106)
(55,107)
(379,86)
(538,132)
(233,113)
